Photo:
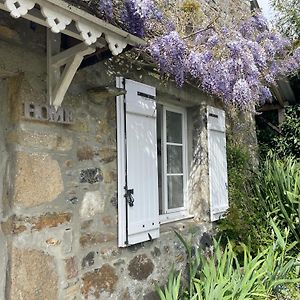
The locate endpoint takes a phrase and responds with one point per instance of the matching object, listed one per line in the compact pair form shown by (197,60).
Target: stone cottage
(100,161)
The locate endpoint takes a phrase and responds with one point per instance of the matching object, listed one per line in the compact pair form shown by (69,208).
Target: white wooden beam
(53,74)
(68,75)
(34,15)
(57,82)
(63,57)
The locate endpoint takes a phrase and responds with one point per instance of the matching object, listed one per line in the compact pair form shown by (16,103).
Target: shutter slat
(217,162)
(142,175)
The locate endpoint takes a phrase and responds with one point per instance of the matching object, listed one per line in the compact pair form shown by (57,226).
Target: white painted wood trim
(165,209)
(57,83)
(174,217)
(121,166)
(59,16)
(218,125)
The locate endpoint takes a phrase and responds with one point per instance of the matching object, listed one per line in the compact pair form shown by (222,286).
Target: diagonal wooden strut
(59,81)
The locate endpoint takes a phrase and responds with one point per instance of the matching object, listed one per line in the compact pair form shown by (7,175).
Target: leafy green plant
(245,221)
(278,191)
(288,144)
(220,275)
(172,289)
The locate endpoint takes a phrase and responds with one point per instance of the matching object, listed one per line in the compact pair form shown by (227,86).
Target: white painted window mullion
(164,162)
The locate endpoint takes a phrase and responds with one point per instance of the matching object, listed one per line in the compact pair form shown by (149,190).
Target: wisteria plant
(232,55)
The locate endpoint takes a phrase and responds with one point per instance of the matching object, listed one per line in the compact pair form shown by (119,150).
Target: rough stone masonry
(58,183)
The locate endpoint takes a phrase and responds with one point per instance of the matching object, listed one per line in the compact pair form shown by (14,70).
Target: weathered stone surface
(91,176)
(92,204)
(100,280)
(50,220)
(71,267)
(7,33)
(96,238)
(156,252)
(105,134)
(107,155)
(49,141)
(88,260)
(109,252)
(67,241)
(72,292)
(80,125)
(109,220)
(140,267)
(53,242)
(86,224)
(32,276)
(151,296)
(38,179)
(126,295)
(109,175)
(206,240)
(85,152)
(18,224)
(13,226)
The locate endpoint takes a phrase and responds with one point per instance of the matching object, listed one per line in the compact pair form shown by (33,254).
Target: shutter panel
(138,148)
(218,181)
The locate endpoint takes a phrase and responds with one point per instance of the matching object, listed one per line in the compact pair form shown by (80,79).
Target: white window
(152,163)
(172,162)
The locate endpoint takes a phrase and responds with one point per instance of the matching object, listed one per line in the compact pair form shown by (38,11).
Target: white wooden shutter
(137,159)
(217,163)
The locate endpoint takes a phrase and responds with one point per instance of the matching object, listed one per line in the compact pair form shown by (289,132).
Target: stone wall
(58,183)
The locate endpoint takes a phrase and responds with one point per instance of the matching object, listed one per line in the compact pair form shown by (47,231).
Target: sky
(266,8)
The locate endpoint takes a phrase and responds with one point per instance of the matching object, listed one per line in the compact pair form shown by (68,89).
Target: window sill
(170,218)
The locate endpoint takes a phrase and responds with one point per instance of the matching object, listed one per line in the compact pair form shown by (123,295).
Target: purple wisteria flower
(265,94)
(106,9)
(297,55)
(269,48)
(136,13)
(238,65)
(133,22)
(235,48)
(212,41)
(260,22)
(258,53)
(241,94)
(169,52)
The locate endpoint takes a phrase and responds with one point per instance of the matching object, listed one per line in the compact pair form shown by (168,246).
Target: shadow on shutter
(137,164)
(218,181)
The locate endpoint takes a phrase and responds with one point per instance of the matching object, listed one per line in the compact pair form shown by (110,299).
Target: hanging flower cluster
(237,65)
(136,13)
(238,62)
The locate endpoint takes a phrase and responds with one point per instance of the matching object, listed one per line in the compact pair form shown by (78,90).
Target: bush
(288,144)
(220,276)
(245,221)
(278,191)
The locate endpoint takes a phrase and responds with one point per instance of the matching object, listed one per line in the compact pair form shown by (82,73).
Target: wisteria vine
(238,64)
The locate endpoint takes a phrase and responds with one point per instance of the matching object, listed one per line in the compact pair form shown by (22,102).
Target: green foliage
(288,17)
(265,134)
(245,221)
(278,191)
(171,290)
(220,275)
(288,144)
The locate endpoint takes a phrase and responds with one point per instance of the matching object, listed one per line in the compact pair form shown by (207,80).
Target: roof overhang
(61,17)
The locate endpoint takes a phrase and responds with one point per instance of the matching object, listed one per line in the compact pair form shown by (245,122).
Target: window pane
(175,191)
(174,127)
(174,159)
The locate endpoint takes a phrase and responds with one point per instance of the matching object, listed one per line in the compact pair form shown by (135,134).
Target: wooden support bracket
(62,67)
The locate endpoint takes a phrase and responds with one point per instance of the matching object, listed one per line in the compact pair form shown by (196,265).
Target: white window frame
(174,214)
